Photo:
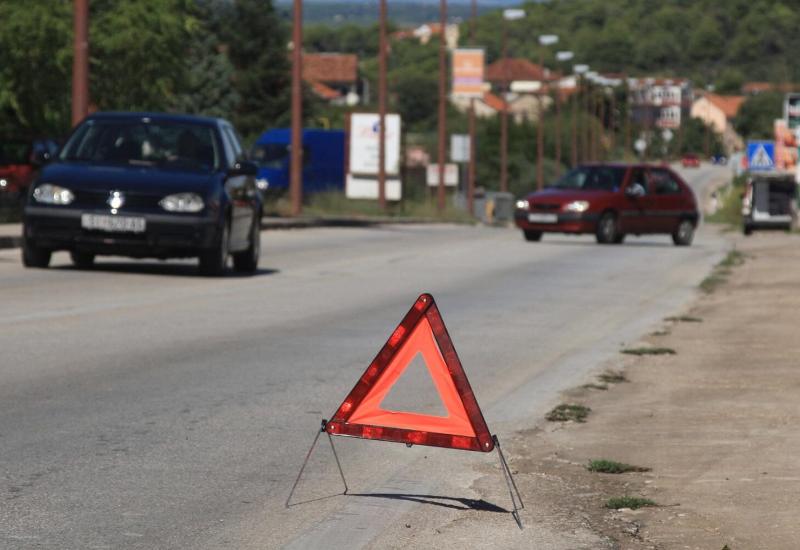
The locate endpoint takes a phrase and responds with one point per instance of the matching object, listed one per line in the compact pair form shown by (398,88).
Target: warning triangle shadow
(453,503)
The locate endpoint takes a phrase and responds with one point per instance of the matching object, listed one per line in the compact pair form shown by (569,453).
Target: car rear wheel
(747,230)
(34,256)
(606,232)
(620,238)
(82,260)
(531,235)
(247,261)
(683,234)
(214,261)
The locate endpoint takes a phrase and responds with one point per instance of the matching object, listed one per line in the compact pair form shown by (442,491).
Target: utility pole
(574,126)
(504,114)
(558,131)
(296,181)
(442,102)
(471,167)
(80,61)
(540,141)
(382,108)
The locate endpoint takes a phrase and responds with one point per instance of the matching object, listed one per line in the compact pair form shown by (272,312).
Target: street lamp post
(561,57)
(382,108)
(544,41)
(508,15)
(296,181)
(579,71)
(442,102)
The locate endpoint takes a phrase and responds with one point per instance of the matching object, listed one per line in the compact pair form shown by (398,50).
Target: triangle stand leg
(308,456)
(516,499)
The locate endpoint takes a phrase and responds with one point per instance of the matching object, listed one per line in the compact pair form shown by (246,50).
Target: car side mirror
(243,168)
(40,158)
(635,191)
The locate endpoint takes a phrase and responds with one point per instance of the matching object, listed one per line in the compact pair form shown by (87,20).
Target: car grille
(545,206)
(98,199)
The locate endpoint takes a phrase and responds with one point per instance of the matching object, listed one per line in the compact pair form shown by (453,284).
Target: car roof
(165,117)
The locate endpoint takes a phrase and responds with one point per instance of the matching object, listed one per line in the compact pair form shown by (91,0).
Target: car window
(664,183)
(143,142)
(597,178)
(237,148)
(230,153)
(638,175)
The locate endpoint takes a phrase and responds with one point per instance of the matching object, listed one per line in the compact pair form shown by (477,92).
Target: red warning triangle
(421,331)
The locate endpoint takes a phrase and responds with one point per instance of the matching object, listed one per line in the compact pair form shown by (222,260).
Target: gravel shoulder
(716,423)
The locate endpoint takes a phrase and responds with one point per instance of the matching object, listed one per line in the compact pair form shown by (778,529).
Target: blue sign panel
(761,156)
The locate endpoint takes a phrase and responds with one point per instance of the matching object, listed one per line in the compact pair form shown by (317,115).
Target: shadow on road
(450,502)
(159,268)
(626,244)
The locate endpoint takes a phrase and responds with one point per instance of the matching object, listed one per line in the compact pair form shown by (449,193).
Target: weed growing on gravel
(720,273)
(660,333)
(613,377)
(566,412)
(613,467)
(684,319)
(629,502)
(648,351)
(594,387)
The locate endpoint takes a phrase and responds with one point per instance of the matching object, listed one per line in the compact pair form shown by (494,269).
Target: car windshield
(592,178)
(270,155)
(143,142)
(14,152)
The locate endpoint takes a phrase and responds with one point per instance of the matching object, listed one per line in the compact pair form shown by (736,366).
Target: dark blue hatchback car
(147,185)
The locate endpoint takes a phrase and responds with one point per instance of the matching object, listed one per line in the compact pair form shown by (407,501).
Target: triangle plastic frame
(465,420)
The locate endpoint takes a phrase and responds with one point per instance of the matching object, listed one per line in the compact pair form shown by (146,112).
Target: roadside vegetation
(566,412)
(684,319)
(719,275)
(729,209)
(648,351)
(633,503)
(613,377)
(334,204)
(613,467)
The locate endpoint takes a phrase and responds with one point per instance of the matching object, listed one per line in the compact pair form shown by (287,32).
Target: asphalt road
(144,407)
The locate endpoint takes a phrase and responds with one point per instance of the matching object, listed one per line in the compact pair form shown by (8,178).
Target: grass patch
(613,467)
(649,351)
(719,275)
(660,333)
(594,387)
(334,204)
(684,319)
(566,412)
(729,200)
(633,503)
(612,377)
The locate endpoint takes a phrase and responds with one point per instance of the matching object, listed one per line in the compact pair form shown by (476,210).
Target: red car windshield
(593,178)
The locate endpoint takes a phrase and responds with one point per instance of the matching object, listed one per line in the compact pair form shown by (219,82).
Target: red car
(19,163)
(690,160)
(611,201)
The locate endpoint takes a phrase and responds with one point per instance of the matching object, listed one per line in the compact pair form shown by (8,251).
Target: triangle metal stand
(513,491)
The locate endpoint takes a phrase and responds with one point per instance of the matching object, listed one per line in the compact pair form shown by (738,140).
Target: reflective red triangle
(421,331)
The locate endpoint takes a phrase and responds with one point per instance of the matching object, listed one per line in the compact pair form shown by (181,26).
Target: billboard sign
(468,69)
(450,175)
(459,147)
(365,147)
(791,111)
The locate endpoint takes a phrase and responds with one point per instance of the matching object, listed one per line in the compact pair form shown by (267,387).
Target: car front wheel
(247,261)
(82,260)
(531,235)
(34,256)
(214,260)
(606,232)
(683,234)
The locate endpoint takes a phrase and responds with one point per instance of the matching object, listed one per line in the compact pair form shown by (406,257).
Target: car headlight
(47,193)
(523,204)
(182,202)
(262,184)
(3,183)
(577,206)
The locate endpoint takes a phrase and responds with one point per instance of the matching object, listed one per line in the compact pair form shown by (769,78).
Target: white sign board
(459,148)
(450,175)
(365,147)
(367,188)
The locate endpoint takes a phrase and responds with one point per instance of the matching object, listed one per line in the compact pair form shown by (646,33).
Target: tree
(35,67)
(258,52)
(757,116)
(137,52)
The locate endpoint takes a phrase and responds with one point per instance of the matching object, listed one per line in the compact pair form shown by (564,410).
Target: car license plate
(543,218)
(116,224)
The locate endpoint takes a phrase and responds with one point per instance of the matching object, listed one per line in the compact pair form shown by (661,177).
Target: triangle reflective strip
(421,331)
